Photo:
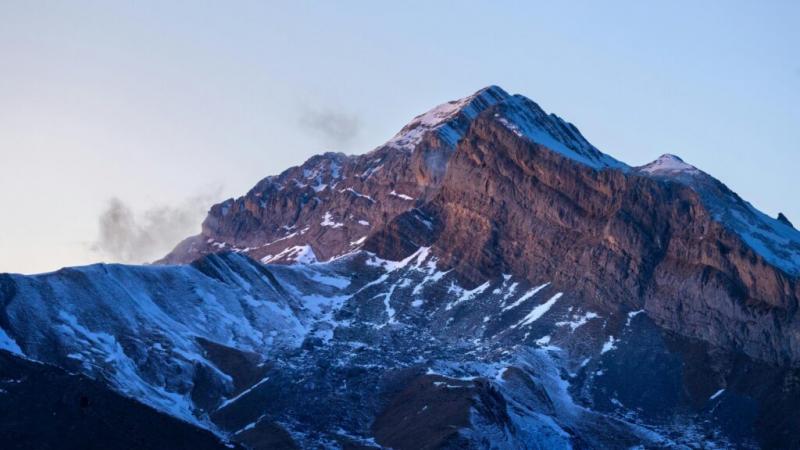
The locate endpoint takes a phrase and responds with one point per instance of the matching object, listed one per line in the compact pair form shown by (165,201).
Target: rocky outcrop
(785,220)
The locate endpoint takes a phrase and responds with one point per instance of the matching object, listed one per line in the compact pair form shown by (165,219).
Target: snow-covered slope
(373,352)
(148,330)
(526,119)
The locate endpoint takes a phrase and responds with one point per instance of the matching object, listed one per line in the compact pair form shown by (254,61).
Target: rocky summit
(485,279)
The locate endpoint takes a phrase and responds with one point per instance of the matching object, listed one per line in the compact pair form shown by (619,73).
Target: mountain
(485,279)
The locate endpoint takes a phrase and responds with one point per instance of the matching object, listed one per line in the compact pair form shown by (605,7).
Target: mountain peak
(449,120)
(668,164)
(518,113)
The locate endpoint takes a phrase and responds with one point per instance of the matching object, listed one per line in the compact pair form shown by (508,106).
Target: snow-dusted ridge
(774,240)
(529,121)
(449,120)
(142,328)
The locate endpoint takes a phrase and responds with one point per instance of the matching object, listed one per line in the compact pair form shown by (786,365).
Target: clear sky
(170,105)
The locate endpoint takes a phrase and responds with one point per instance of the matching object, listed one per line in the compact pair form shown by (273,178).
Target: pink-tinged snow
(302,254)
(438,119)
(327,221)
(668,163)
(358,194)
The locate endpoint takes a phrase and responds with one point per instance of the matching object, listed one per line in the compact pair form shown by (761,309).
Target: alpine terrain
(486,279)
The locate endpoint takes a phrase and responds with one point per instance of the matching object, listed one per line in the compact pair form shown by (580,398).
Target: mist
(130,237)
(334,128)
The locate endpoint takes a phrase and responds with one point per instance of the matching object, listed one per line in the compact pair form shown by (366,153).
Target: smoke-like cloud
(129,237)
(334,128)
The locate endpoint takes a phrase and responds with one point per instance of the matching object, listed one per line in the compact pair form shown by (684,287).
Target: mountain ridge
(526,119)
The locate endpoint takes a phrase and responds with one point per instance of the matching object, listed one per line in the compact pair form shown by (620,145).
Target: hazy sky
(168,106)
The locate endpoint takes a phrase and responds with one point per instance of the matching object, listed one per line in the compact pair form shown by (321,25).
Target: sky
(122,122)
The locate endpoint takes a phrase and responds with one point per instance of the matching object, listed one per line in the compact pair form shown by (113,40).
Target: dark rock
(785,220)
(44,407)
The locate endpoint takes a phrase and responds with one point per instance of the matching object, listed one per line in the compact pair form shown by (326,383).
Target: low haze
(121,122)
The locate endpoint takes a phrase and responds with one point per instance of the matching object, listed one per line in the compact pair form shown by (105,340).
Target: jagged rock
(785,220)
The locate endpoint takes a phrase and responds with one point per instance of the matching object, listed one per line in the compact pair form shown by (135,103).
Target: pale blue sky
(158,102)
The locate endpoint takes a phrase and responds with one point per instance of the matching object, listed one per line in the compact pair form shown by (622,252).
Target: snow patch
(358,241)
(525,296)
(669,164)
(327,221)
(302,254)
(631,315)
(716,394)
(465,295)
(402,196)
(578,321)
(242,394)
(357,194)
(537,312)
(609,345)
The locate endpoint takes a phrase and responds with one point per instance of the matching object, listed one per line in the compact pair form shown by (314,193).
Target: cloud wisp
(334,128)
(129,237)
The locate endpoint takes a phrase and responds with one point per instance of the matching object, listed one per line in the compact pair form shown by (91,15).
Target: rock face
(631,239)
(485,279)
